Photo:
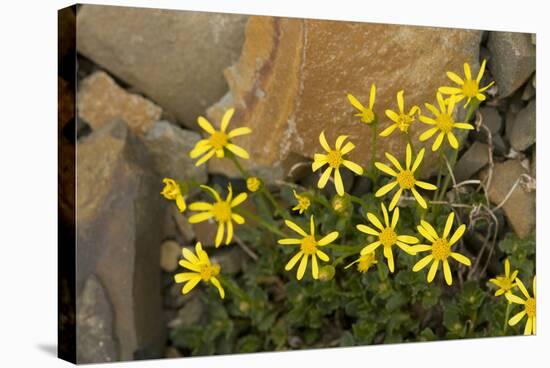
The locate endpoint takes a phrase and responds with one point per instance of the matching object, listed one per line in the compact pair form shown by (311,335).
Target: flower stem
(506,318)
(260,221)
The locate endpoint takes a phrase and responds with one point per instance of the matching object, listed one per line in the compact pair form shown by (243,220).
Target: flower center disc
(221,211)
(445,123)
(388,237)
(368,116)
(403,122)
(309,245)
(207,272)
(531,307)
(506,283)
(441,249)
(470,88)
(218,140)
(406,179)
(334,159)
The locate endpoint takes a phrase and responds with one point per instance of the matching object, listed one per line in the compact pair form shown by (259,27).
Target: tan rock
(170,252)
(293,75)
(176,58)
(519,208)
(101,100)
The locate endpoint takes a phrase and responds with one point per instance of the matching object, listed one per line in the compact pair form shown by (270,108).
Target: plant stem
(506,318)
(260,221)
(233,288)
(238,165)
(357,200)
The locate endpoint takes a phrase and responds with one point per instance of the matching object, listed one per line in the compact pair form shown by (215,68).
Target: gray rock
(175,57)
(169,147)
(362,185)
(119,217)
(96,340)
(492,120)
(190,314)
(473,160)
(500,146)
(512,61)
(231,259)
(523,132)
(182,224)
(519,208)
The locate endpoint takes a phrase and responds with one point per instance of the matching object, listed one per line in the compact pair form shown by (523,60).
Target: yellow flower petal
(422,263)
(180,202)
(290,265)
(190,285)
(515,299)
(418,160)
(324,178)
(241,152)
(237,218)
(438,141)
(288,241)
(367,230)
(240,198)
(375,221)
(481,71)
(353,167)
(419,198)
(302,267)
(427,134)
(218,286)
(452,140)
(205,125)
(226,118)
(205,158)
(467,72)
(372,96)
(395,199)
(219,234)
(229,232)
(370,248)
(458,234)
(199,150)
(460,258)
(408,156)
(522,288)
(424,185)
(388,130)
(463,126)
(449,90)
(355,102)
(189,265)
(433,270)
(528,326)
(407,239)
(338,182)
(395,218)
(323,141)
(200,206)
(429,228)
(189,256)
(400,101)
(455,78)
(314,267)
(339,141)
(328,239)
(348,147)
(238,132)
(448,224)
(322,255)
(295,227)
(185,276)
(447,273)
(385,189)
(199,217)
(388,254)
(394,161)
(515,319)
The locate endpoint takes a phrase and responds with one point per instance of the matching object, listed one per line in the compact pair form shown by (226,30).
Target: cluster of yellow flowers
(506,284)
(439,244)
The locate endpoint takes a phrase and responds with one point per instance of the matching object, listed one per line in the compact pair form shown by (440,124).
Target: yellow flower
(468,87)
(443,122)
(529,307)
(386,236)
(404,178)
(219,140)
(221,211)
(364,262)
(202,269)
(341,204)
(303,202)
(400,120)
(334,158)
(440,248)
(172,191)
(366,113)
(505,283)
(309,246)
(253,184)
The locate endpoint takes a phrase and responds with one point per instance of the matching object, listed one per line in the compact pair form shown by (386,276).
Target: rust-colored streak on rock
(293,75)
